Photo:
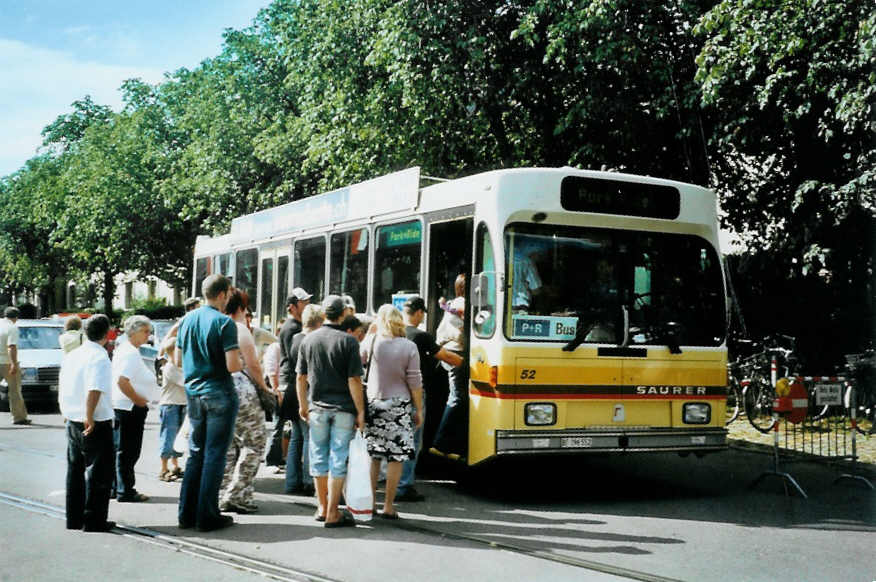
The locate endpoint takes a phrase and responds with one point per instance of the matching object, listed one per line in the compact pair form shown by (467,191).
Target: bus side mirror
(480,291)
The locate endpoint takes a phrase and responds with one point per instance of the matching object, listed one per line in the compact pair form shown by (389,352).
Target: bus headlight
(28,375)
(697,413)
(540,413)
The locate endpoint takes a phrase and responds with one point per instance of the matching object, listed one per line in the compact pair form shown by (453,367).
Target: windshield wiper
(581,331)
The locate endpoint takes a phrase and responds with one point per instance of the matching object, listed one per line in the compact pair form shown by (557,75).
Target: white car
(39,355)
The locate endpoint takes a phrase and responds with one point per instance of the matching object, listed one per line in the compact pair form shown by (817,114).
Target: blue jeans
(330,434)
(452,434)
(298,457)
(409,467)
(172,416)
(212,418)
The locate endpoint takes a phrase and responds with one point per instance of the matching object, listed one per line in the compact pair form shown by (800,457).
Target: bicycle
(859,398)
(738,372)
(760,393)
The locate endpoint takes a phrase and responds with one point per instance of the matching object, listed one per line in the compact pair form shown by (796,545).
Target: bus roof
(400,193)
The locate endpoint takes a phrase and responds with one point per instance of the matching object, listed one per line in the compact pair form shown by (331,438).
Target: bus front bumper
(510,442)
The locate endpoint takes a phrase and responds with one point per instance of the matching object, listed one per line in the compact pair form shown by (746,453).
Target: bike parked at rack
(860,394)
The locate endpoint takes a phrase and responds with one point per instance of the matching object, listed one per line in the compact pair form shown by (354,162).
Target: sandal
(177,472)
(345,521)
(165,476)
(318,517)
(393,516)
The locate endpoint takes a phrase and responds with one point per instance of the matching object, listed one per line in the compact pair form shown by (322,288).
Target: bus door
(273,287)
(449,255)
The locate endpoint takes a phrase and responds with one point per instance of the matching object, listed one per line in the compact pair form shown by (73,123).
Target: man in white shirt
(84,397)
(9,368)
(134,385)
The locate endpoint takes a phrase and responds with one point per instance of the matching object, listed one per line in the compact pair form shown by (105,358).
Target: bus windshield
(598,285)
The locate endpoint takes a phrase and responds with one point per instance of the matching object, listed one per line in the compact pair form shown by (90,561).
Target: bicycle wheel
(815,411)
(734,400)
(758,397)
(865,409)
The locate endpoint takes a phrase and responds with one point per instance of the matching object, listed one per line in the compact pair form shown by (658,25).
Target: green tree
(219,111)
(458,87)
(791,87)
(30,202)
(68,130)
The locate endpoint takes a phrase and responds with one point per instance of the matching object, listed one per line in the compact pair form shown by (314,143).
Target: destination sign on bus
(400,234)
(582,194)
(544,327)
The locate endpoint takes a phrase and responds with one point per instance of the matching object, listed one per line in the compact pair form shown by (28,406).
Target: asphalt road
(654,517)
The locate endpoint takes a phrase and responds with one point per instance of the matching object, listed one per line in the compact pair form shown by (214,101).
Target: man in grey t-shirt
(332,402)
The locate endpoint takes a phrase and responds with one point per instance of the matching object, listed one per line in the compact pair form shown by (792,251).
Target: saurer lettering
(671,390)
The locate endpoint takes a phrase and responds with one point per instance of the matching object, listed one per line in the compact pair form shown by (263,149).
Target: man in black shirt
(430,353)
(295,304)
(331,400)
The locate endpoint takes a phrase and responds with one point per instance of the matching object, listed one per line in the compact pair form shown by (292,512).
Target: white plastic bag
(357,489)
(181,442)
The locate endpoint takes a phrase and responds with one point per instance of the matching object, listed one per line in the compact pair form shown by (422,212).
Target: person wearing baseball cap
(349,305)
(414,312)
(296,302)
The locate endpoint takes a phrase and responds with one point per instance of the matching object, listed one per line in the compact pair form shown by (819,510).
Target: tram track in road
(176,544)
(279,572)
(601,567)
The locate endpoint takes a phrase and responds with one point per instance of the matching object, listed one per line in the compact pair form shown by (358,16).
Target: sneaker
(222,522)
(410,495)
(240,508)
(135,498)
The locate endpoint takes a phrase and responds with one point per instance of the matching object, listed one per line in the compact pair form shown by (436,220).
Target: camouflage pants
(245,452)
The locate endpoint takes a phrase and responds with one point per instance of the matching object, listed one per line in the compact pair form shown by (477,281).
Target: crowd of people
(324,376)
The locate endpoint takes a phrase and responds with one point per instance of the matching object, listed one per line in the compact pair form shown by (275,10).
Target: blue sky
(54,52)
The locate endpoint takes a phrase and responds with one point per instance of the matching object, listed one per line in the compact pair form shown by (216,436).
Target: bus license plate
(577,442)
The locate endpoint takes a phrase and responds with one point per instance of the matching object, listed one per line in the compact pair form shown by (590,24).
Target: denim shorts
(172,417)
(330,434)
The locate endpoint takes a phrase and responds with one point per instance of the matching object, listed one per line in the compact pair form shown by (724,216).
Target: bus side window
(282,286)
(267,298)
(349,266)
(203,268)
(223,265)
(309,266)
(484,285)
(246,272)
(397,261)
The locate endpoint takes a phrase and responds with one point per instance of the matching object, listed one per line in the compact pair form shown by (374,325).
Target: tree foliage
(790,87)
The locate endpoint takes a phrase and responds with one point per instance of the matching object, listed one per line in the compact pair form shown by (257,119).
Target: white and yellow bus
(596,314)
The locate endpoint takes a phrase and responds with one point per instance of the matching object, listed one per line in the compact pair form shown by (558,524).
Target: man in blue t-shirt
(208,354)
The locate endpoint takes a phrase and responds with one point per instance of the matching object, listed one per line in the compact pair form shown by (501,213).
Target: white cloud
(39,84)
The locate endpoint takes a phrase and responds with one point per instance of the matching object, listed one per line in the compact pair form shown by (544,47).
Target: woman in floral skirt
(395,400)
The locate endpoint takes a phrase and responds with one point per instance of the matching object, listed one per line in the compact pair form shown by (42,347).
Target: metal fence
(819,426)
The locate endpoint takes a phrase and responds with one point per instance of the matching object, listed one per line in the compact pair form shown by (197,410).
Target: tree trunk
(109,291)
